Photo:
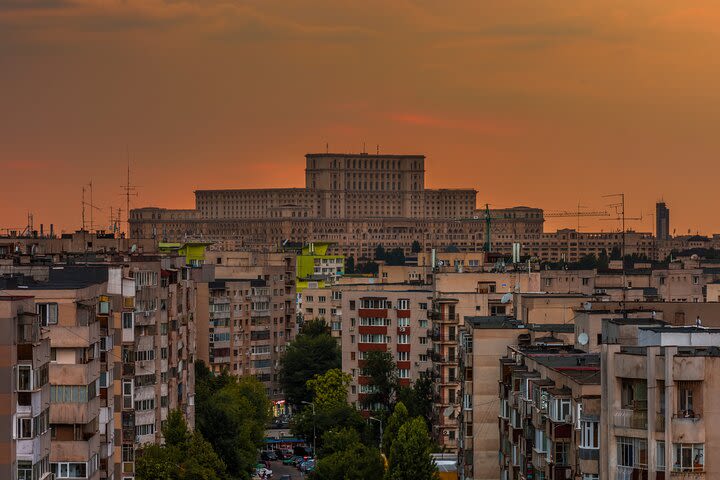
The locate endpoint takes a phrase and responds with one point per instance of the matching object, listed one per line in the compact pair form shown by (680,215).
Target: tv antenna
(129,190)
(88,204)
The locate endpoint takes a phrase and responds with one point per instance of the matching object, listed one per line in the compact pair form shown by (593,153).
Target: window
(374,322)
(127,320)
(148,429)
(589,434)
(423,357)
(688,457)
(403,373)
(24,427)
(69,470)
(403,304)
(423,306)
(24,470)
(72,393)
(632,453)
(423,323)
(685,400)
(352,304)
(48,313)
(423,340)
(403,339)
(24,378)
(128,453)
(374,338)
(660,456)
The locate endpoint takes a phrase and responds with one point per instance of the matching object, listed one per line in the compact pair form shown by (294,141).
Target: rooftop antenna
(364,150)
(378,149)
(130,190)
(89,204)
(327,147)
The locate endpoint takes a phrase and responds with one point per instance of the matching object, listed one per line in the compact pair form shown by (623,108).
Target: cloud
(491,127)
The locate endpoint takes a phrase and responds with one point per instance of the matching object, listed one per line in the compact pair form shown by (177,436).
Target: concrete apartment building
(68,307)
(549,417)
(388,318)
(659,404)
(247,311)
(484,339)
(122,340)
(24,392)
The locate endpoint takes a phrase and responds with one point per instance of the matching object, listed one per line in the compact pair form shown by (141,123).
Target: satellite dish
(448,411)
(133,248)
(583,338)
(506,298)
(587,306)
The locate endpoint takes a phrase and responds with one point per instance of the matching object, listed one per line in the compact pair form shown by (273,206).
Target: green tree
(410,457)
(329,418)
(314,351)
(185,456)
(399,417)
(382,371)
(396,256)
(419,398)
(380,252)
(330,388)
(233,414)
(350,265)
(338,439)
(358,462)
(416,247)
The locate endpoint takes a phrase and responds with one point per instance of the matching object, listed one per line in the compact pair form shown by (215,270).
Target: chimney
(698,322)
(51,230)
(42,230)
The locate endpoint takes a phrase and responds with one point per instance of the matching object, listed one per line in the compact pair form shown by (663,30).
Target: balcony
(260,313)
(687,475)
(626,418)
(539,459)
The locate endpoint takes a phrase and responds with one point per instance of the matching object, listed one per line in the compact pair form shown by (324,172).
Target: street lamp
(313,410)
(381,431)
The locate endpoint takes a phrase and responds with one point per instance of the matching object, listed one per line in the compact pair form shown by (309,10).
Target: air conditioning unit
(446,432)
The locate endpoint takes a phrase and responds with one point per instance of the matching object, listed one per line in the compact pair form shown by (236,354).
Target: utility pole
(314,434)
(381,430)
(487,228)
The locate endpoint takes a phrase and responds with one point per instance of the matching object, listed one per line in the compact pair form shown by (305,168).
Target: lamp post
(379,420)
(313,410)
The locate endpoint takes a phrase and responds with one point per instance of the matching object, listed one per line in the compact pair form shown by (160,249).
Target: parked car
(290,460)
(268,455)
(307,466)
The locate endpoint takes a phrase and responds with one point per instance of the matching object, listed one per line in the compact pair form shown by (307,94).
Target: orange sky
(537,102)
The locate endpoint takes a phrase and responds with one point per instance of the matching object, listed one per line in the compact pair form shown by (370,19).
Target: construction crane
(577,213)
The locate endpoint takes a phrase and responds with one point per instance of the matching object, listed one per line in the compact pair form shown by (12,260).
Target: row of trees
(231,415)
(396,256)
(348,447)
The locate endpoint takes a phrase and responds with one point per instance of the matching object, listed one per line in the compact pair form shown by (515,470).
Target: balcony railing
(627,418)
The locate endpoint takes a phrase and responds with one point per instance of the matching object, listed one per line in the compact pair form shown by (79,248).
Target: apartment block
(247,312)
(386,318)
(24,391)
(659,403)
(549,413)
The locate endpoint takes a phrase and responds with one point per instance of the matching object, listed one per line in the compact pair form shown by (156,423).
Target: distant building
(662,221)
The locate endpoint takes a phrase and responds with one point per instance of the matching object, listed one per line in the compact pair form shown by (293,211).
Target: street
(279,469)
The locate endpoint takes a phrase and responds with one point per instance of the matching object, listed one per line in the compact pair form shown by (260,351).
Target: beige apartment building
(484,339)
(247,311)
(387,318)
(549,413)
(24,391)
(660,404)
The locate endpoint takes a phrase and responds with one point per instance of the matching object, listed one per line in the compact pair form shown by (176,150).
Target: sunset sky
(544,103)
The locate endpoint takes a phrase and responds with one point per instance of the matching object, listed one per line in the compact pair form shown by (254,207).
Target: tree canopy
(232,414)
(410,457)
(382,371)
(314,351)
(185,456)
(330,388)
